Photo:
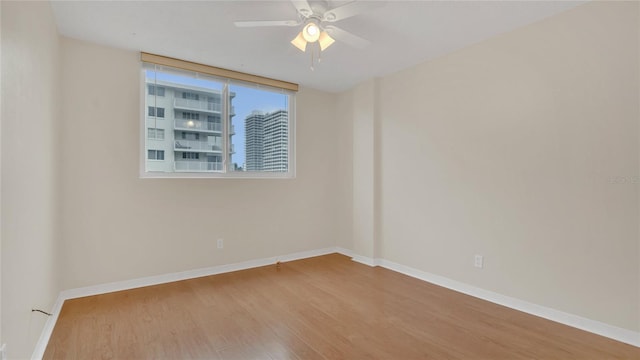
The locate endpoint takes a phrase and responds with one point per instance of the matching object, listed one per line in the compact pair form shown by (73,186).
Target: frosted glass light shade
(300,42)
(325,40)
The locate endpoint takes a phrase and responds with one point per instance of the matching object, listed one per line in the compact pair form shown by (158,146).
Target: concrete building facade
(183,128)
(267,141)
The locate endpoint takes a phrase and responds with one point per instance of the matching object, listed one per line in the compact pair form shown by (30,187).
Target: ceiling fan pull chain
(312,69)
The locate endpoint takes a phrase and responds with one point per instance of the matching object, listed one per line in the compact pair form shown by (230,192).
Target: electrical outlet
(478,260)
(220,243)
(3,352)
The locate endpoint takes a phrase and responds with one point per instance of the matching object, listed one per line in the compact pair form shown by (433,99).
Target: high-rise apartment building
(183,128)
(267,141)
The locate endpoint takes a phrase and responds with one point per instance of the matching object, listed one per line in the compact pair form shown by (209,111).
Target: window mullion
(226,147)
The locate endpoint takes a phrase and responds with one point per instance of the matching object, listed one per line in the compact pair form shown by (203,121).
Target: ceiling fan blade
(303,7)
(266,23)
(347,37)
(351,9)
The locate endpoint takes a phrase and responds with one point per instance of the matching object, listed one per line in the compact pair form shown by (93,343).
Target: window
(190,155)
(155,134)
(156,90)
(155,154)
(236,125)
(189,136)
(191,115)
(154,110)
(190,96)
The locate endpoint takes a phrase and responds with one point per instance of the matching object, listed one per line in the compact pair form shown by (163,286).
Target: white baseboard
(189,274)
(41,345)
(593,326)
(345,252)
(366,260)
(358,258)
(45,335)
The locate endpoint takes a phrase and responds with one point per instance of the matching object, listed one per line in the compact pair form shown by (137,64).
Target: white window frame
(155,111)
(155,90)
(227,172)
(156,151)
(155,132)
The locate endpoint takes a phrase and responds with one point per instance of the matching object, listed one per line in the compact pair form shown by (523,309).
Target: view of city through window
(184,128)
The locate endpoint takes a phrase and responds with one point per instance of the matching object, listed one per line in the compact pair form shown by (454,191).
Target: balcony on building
(197,166)
(196,146)
(197,105)
(197,126)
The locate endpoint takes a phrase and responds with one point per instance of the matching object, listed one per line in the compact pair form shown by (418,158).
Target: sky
(247,99)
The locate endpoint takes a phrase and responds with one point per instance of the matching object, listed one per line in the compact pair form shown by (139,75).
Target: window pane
(155,134)
(153,111)
(259,132)
(183,121)
(155,90)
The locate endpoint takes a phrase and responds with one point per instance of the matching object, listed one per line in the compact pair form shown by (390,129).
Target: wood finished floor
(327,307)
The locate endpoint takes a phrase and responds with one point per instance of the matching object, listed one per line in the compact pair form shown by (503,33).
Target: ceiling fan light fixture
(300,42)
(311,32)
(325,40)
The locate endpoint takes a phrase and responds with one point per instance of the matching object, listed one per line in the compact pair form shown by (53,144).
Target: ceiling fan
(316,19)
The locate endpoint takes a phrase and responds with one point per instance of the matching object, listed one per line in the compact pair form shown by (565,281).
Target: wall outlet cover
(478,261)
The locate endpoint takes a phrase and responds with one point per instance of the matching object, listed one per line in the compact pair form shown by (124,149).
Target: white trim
(345,252)
(41,345)
(366,260)
(359,258)
(189,274)
(593,326)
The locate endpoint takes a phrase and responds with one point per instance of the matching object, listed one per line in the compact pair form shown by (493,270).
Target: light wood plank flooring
(327,307)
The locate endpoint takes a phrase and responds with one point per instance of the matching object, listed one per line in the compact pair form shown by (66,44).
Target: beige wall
(30,112)
(363,115)
(524,149)
(344,114)
(119,227)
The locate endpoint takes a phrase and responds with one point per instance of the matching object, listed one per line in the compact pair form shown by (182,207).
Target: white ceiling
(402,33)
